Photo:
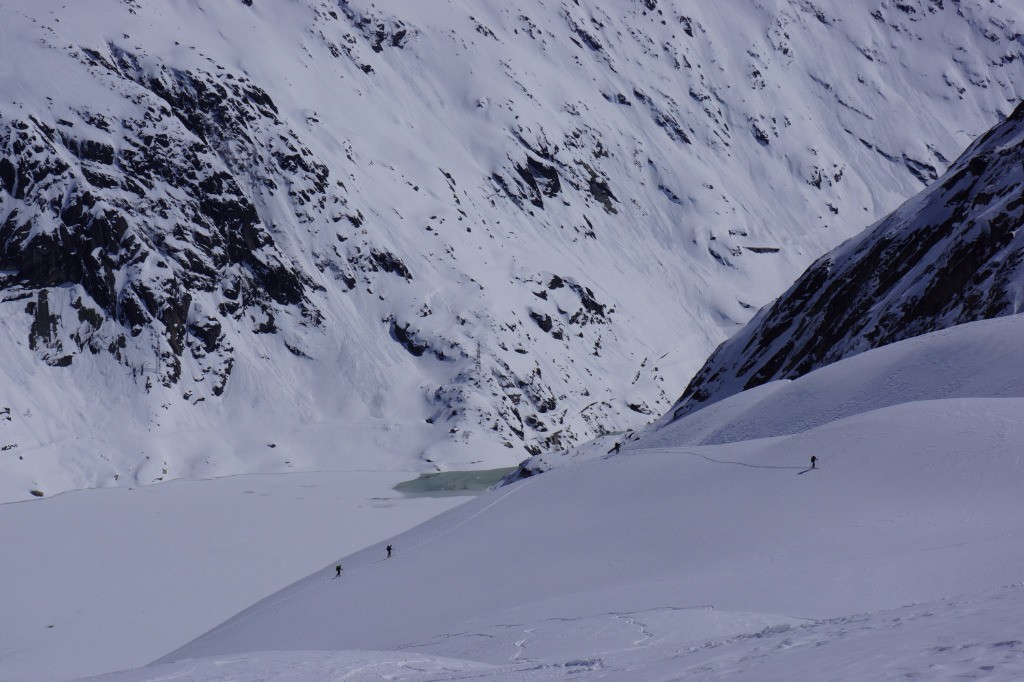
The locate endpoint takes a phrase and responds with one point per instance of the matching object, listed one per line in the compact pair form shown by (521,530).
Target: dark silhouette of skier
(338,569)
(615,448)
(814,462)
(389,551)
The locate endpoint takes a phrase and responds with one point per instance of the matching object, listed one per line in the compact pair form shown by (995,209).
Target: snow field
(874,528)
(913,502)
(960,638)
(100,580)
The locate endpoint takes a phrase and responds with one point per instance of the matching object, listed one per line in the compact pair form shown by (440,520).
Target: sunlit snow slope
(657,553)
(365,233)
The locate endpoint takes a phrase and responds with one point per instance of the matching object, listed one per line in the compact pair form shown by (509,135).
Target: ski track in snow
(723,461)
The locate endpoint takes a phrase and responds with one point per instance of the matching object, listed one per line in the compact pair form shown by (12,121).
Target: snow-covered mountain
(951,255)
(252,236)
(730,559)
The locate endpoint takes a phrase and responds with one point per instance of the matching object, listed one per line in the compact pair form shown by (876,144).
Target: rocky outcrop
(951,255)
(146,213)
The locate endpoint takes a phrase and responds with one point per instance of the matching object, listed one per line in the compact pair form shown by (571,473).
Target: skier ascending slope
(389,551)
(814,462)
(338,568)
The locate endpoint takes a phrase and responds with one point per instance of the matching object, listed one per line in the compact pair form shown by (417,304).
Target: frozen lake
(112,578)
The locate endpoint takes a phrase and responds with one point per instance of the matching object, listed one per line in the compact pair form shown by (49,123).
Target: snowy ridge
(252,236)
(951,255)
(728,561)
(943,365)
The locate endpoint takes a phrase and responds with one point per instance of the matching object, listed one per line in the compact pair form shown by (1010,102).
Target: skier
(615,448)
(814,461)
(338,569)
(389,551)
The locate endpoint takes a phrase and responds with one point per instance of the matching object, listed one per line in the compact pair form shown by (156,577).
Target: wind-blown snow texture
(733,560)
(951,255)
(458,231)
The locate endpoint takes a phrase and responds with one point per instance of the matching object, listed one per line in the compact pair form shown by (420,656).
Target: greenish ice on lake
(445,483)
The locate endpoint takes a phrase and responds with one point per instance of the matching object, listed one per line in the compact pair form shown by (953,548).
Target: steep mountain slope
(241,236)
(665,551)
(950,255)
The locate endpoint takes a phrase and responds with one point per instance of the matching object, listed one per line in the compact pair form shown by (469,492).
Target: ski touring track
(675,451)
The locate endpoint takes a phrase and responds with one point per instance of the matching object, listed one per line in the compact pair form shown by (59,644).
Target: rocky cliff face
(459,234)
(144,217)
(951,255)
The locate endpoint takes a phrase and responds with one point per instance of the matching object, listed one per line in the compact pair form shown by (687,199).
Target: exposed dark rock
(586,37)
(925,172)
(664,119)
(409,339)
(952,256)
(389,262)
(760,135)
(541,180)
(97,239)
(208,332)
(599,190)
(588,301)
(44,325)
(543,321)
(401,334)
(619,98)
